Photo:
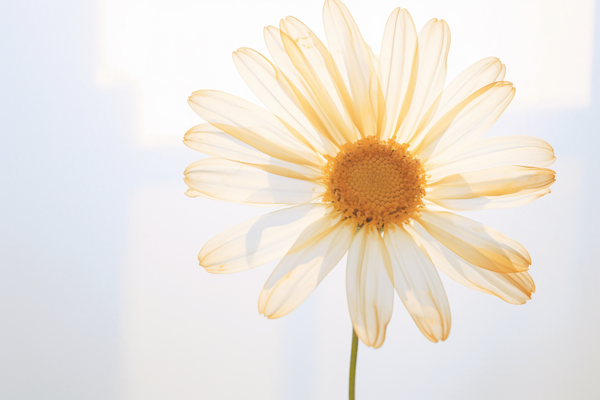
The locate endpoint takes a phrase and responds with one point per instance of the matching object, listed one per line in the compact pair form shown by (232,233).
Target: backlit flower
(373,155)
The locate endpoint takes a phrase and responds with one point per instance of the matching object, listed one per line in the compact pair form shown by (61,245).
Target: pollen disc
(375,182)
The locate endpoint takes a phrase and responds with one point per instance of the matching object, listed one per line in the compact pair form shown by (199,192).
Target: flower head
(373,155)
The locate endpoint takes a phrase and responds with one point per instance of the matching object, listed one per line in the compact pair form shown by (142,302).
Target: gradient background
(101,296)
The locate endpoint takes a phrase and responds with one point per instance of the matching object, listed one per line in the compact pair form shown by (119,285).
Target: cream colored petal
(491,202)
(368,286)
(492,183)
(209,140)
(273,90)
(477,76)
(316,251)
(494,152)
(323,108)
(478,244)
(418,284)
(431,206)
(374,58)
(353,57)
(231,181)
(322,75)
(398,63)
(328,95)
(252,125)
(514,288)
(464,123)
(258,240)
(434,44)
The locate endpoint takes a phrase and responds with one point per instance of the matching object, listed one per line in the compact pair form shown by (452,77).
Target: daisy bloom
(373,157)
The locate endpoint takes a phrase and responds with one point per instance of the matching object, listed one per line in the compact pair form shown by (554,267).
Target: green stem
(353,365)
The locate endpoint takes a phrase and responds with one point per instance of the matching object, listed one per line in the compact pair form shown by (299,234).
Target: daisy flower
(373,157)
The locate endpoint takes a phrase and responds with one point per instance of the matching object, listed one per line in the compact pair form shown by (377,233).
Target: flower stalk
(353,365)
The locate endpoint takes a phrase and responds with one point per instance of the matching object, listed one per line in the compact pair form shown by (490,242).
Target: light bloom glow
(373,155)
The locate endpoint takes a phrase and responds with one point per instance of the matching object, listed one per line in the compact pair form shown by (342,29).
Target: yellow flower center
(375,182)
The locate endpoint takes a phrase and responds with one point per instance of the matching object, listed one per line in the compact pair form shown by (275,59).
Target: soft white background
(101,296)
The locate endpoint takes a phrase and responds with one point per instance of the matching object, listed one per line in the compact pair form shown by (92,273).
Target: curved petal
(476,243)
(490,202)
(353,58)
(464,123)
(397,65)
(434,44)
(418,284)
(231,181)
(270,86)
(258,240)
(368,286)
(316,251)
(194,193)
(514,288)
(316,66)
(495,152)
(477,76)
(252,125)
(492,182)
(207,139)
(317,86)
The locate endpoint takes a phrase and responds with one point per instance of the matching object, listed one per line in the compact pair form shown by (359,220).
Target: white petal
(316,251)
(398,63)
(434,44)
(492,184)
(258,240)
(494,152)
(368,287)
(489,202)
(478,244)
(253,125)
(515,288)
(464,123)
(374,58)
(353,58)
(314,78)
(232,181)
(271,87)
(209,140)
(477,76)
(418,284)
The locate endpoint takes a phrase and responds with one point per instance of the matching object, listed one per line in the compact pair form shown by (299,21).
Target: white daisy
(373,155)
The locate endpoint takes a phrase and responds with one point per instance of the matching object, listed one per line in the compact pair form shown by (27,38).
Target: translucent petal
(273,90)
(374,58)
(514,288)
(492,183)
(314,62)
(418,284)
(494,152)
(397,65)
(476,243)
(209,140)
(368,286)
(325,109)
(253,125)
(258,240)
(353,57)
(233,181)
(490,202)
(464,123)
(316,251)
(477,76)
(434,44)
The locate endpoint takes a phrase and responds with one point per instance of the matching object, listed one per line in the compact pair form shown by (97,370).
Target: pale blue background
(100,293)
